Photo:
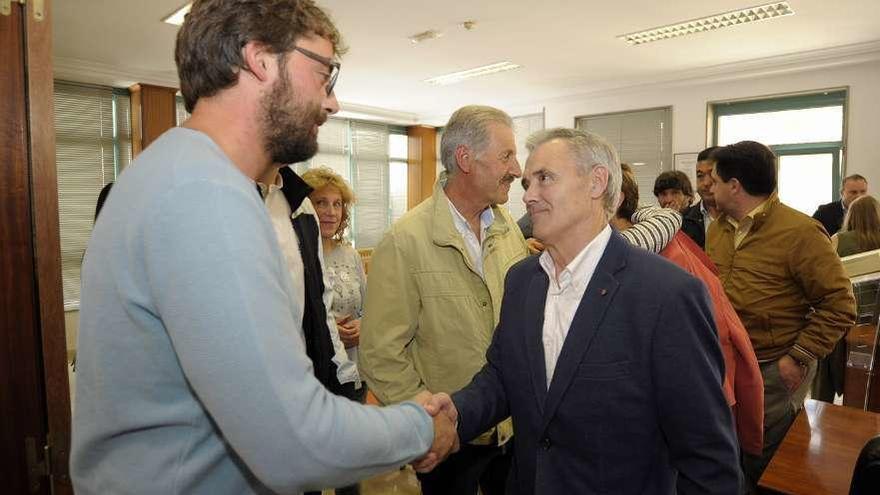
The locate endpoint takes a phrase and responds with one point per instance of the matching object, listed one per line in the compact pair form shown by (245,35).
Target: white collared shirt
(474,246)
(564,295)
(707,217)
(280,214)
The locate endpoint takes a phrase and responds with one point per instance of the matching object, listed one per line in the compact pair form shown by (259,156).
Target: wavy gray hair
(589,151)
(469,126)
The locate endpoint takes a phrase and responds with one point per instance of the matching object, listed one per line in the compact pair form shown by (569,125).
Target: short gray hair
(469,126)
(589,151)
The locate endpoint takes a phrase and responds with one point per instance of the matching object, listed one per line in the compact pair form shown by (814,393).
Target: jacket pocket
(603,371)
(439,284)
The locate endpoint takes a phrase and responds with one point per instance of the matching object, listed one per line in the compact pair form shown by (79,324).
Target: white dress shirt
(707,217)
(564,295)
(279,213)
(473,245)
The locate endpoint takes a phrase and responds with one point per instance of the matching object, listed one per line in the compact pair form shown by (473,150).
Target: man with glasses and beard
(193,375)
(435,286)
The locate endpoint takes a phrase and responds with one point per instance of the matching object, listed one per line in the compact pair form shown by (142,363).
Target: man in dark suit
(697,218)
(830,215)
(606,356)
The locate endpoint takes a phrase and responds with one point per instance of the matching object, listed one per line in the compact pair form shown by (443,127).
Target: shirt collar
(750,216)
(580,270)
(266,190)
(461,224)
(704,210)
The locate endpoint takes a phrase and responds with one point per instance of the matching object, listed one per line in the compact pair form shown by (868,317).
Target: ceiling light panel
(460,76)
(710,23)
(177,17)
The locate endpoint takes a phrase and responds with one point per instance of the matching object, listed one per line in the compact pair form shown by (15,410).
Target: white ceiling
(566,47)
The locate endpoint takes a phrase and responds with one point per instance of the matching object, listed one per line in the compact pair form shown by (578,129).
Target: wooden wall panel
(153,112)
(422,163)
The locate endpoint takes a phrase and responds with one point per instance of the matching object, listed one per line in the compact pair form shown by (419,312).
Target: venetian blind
(642,138)
(369,155)
(93,143)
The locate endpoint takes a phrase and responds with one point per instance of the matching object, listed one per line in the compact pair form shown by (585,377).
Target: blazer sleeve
(688,372)
(483,403)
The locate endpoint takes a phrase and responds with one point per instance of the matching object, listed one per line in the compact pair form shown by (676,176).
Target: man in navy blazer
(606,356)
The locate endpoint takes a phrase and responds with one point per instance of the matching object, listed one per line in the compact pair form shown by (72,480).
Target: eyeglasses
(332,66)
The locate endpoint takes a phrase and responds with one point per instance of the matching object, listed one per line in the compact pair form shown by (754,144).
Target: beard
(288,123)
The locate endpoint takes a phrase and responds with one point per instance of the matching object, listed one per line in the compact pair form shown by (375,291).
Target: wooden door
(34,394)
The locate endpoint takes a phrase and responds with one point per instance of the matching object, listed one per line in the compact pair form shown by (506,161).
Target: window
(805,132)
(180,110)
(398,147)
(643,139)
(523,127)
(372,159)
(93,143)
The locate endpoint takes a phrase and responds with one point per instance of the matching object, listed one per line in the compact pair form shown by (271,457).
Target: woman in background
(344,270)
(860,232)
(861,228)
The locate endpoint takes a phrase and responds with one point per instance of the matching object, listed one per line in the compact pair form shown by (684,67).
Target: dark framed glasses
(332,66)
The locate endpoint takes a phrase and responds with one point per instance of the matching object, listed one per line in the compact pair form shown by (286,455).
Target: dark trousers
(461,473)
(781,406)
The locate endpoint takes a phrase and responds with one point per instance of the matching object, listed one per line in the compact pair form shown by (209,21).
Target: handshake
(445,415)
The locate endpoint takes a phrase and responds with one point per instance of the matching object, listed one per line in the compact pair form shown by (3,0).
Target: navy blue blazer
(830,215)
(635,405)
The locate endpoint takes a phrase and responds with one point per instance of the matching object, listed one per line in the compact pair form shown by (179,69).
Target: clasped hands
(349,329)
(446,442)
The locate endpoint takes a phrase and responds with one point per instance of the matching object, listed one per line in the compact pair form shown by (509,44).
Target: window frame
(798,101)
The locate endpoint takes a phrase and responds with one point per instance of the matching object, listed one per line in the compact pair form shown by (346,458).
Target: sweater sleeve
(219,284)
(653,228)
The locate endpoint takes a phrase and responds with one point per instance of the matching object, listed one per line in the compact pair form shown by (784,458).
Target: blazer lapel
(589,315)
(533,326)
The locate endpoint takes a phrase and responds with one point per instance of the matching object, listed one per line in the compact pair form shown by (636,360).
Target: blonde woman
(861,228)
(332,198)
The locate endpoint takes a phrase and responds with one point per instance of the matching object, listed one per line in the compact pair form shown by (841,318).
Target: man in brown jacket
(784,279)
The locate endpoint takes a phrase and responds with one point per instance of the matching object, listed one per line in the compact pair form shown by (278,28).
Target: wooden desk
(820,450)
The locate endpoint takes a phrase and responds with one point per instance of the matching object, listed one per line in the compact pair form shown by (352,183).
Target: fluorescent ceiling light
(177,17)
(485,70)
(732,18)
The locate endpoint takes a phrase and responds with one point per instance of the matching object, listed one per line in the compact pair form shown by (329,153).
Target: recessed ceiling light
(717,21)
(425,36)
(177,17)
(485,70)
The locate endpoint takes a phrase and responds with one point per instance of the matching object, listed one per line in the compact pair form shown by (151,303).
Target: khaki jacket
(429,316)
(786,283)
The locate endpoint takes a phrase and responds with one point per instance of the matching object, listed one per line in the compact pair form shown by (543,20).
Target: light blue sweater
(192,376)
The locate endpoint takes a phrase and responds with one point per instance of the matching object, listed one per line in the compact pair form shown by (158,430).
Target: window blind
(523,127)
(370,175)
(642,138)
(180,110)
(93,143)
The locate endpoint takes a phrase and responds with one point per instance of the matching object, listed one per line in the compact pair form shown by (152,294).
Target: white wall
(689,106)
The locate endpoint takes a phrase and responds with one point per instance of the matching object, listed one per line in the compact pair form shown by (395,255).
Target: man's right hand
(446,441)
(791,372)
